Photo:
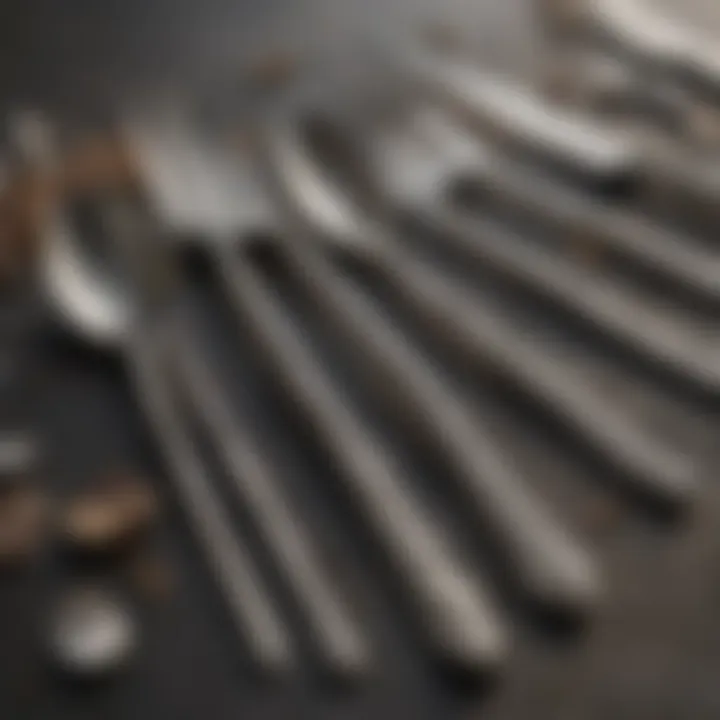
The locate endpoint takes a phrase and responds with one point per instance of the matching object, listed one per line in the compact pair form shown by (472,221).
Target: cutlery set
(533,178)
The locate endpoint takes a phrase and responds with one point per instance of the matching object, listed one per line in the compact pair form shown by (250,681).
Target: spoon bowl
(89,301)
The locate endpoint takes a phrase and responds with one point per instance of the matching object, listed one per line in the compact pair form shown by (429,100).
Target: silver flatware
(459,620)
(659,46)
(342,646)
(200,195)
(523,122)
(569,142)
(606,306)
(549,564)
(671,256)
(413,178)
(95,308)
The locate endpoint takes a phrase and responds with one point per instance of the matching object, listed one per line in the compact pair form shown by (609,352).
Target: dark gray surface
(653,653)
(81,55)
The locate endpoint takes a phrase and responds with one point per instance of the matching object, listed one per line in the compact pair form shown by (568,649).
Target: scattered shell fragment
(23,524)
(92,633)
(111,516)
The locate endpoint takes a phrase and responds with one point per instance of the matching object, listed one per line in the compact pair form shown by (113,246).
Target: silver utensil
(662,52)
(658,45)
(606,306)
(669,256)
(521,121)
(342,646)
(412,177)
(199,194)
(588,150)
(551,566)
(459,620)
(636,32)
(462,626)
(103,314)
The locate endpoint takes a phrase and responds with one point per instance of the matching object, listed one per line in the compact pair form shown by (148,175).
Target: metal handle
(460,621)
(249,600)
(567,213)
(550,565)
(601,305)
(463,324)
(147,342)
(519,120)
(344,649)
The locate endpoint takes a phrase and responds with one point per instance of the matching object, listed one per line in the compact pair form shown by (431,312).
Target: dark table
(654,652)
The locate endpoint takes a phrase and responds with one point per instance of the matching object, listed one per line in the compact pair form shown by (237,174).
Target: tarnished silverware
(99,311)
(459,620)
(411,178)
(549,564)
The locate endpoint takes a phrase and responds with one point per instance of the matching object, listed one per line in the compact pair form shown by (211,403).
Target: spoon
(412,178)
(644,37)
(459,620)
(549,565)
(605,306)
(639,34)
(342,647)
(672,257)
(525,124)
(569,142)
(142,333)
